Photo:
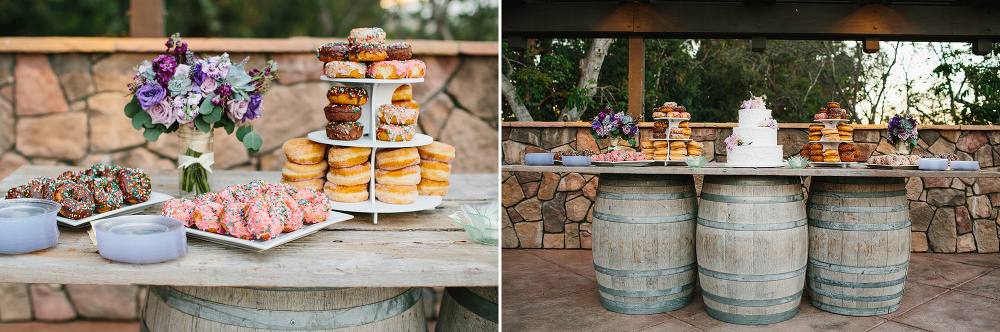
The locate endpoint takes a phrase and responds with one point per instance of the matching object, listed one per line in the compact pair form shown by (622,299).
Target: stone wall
(555,210)
(62,100)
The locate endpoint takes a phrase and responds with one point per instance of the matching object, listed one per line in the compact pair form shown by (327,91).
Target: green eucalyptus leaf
(229,126)
(200,123)
(152,134)
(132,107)
(215,116)
(139,119)
(206,105)
(242,131)
(252,142)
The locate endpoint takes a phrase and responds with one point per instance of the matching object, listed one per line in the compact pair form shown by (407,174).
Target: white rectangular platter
(126,209)
(258,245)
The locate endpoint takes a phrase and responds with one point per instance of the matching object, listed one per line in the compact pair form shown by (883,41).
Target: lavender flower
(163,113)
(237,109)
(197,75)
(254,109)
(149,95)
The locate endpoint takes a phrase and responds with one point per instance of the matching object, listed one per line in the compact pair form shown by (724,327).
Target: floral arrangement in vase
(179,92)
(609,124)
(902,133)
(735,140)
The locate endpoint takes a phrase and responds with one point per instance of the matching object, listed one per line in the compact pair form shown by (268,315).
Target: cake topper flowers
(755,103)
(735,140)
(609,124)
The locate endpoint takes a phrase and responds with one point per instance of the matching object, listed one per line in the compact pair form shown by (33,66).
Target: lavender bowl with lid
(141,239)
(28,224)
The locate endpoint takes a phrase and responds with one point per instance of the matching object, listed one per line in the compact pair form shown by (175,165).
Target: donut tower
(830,143)
(671,140)
(375,165)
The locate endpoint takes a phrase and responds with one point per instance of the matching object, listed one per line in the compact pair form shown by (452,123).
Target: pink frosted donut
(366,36)
(296,215)
(259,221)
(233,222)
(180,209)
(344,69)
(206,217)
(397,115)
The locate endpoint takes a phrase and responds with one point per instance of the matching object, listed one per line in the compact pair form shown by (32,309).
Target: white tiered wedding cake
(755,141)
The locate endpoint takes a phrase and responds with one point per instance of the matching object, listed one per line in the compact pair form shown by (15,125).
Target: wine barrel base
(469,309)
(646,308)
(751,319)
(854,311)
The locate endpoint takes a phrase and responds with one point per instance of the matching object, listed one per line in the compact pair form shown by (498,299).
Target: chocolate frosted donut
(342,112)
(344,131)
(346,95)
(399,51)
(367,52)
(332,52)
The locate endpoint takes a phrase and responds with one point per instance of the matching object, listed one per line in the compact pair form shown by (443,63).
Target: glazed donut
(395,133)
(134,184)
(831,137)
(642,144)
(830,131)
(350,176)
(107,196)
(399,51)
(346,194)
(815,158)
(347,95)
(431,187)
(304,151)
(407,104)
(406,176)
(314,184)
(397,115)
(344,69)
(396,194)
(831,159)
(347,156)
(830,153)
(684,124)
(815,127)
(206,217)
(77,202)
(344,131)
(366,52)
(342,112)
(397,69)
(331,52)
(845,127)
(816,152)
(366,36)
(180,209)
(442,152)
(438,171)
(403,92)
(393,159)
(299,172)
(695,144)
(832,104)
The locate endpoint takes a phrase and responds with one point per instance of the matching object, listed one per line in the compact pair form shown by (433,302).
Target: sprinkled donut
(77,202)
(107,196)
(233,222)
(206,217)
(134,184)
(180,209)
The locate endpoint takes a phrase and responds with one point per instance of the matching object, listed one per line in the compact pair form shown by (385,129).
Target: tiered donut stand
(828,124)
(672,123)
(380,93)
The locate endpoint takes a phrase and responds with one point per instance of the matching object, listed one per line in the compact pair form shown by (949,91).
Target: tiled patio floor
(556,290)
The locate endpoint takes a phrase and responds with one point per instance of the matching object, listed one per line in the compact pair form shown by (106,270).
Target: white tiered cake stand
(830,124)
(379,93)
(672,123)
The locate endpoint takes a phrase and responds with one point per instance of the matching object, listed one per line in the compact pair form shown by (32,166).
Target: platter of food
(332,217)
(636,163)
(126,209)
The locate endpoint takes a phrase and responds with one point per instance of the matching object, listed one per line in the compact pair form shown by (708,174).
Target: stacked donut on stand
(304,164)
(831,142)
(435,168)
(377,154)
(671,140)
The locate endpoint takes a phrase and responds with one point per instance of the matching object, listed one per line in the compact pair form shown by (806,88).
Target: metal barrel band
(751,303)
(851,226)
(751,277)
(751,199)
(475,303)
(646,273)
(856,298)
(751,319)
(649,293)
(850,284)
(854,311)
(644,197)
(859,269)
(859,194)
(853,180)
(646,308)
(644,220)
(857,209)
(752,181)
(293,289)
(287,320)
(752,227)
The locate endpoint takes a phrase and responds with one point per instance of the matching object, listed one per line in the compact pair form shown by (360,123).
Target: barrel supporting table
(643,242)
(859,244)
(469,309)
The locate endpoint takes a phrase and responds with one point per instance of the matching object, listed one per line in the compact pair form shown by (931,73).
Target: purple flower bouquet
(903,129)
(609,124)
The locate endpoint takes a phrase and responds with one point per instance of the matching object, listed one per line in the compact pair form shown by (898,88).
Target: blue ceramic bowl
(576,160)
(28,224)
(538,158)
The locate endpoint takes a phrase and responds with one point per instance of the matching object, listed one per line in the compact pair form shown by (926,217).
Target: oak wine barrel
(469,309)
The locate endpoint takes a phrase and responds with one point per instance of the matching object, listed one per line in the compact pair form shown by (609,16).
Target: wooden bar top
(719,169)
(414,249)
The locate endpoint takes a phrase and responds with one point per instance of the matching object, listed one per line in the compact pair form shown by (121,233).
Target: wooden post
(871,45)
(758,44)
(636,76)
(146,18)
(982,46)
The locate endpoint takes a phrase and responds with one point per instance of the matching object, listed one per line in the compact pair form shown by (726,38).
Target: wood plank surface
(719,169)
(404,250)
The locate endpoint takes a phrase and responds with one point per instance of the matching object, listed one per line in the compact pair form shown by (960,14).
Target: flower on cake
(735,140)
(769,122)
(755,103)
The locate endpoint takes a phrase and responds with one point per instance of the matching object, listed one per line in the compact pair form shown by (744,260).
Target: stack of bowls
(28,224)
(141,239)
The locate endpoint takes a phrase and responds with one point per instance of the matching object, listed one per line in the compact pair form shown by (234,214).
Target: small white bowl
(576,160)
(964,165)
(932,164)
(538,158)
(28,224)
(141,239)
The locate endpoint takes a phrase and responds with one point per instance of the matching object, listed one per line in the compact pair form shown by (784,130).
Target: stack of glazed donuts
(397,173)
(96,190)
(350,174)
(435,168)
(365,54)
(344,111)
(304,166)
(397,120)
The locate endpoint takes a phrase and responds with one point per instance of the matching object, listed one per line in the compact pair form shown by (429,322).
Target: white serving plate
(829,163)
(890,167)
(423,202)
(319,136)
(258,245)
(756,166)
(371,80)
(126,209)
(673,162)
(831,141)
(636,163)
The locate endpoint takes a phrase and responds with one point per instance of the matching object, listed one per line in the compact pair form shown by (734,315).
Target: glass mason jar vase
(195,156)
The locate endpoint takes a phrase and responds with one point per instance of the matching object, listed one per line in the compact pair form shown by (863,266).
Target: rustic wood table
(309,281)
(720,169)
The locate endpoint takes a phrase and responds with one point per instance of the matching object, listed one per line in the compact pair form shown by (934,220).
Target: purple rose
(254,109)
(197,75)
(163,113)
(149,95)
(208,86)
(237,109)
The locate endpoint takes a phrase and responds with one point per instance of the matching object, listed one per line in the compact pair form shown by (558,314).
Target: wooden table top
(403,250)
(720,169)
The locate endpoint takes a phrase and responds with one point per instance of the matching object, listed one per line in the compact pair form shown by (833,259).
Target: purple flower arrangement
(177,89)
(902,129)
(609,124)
